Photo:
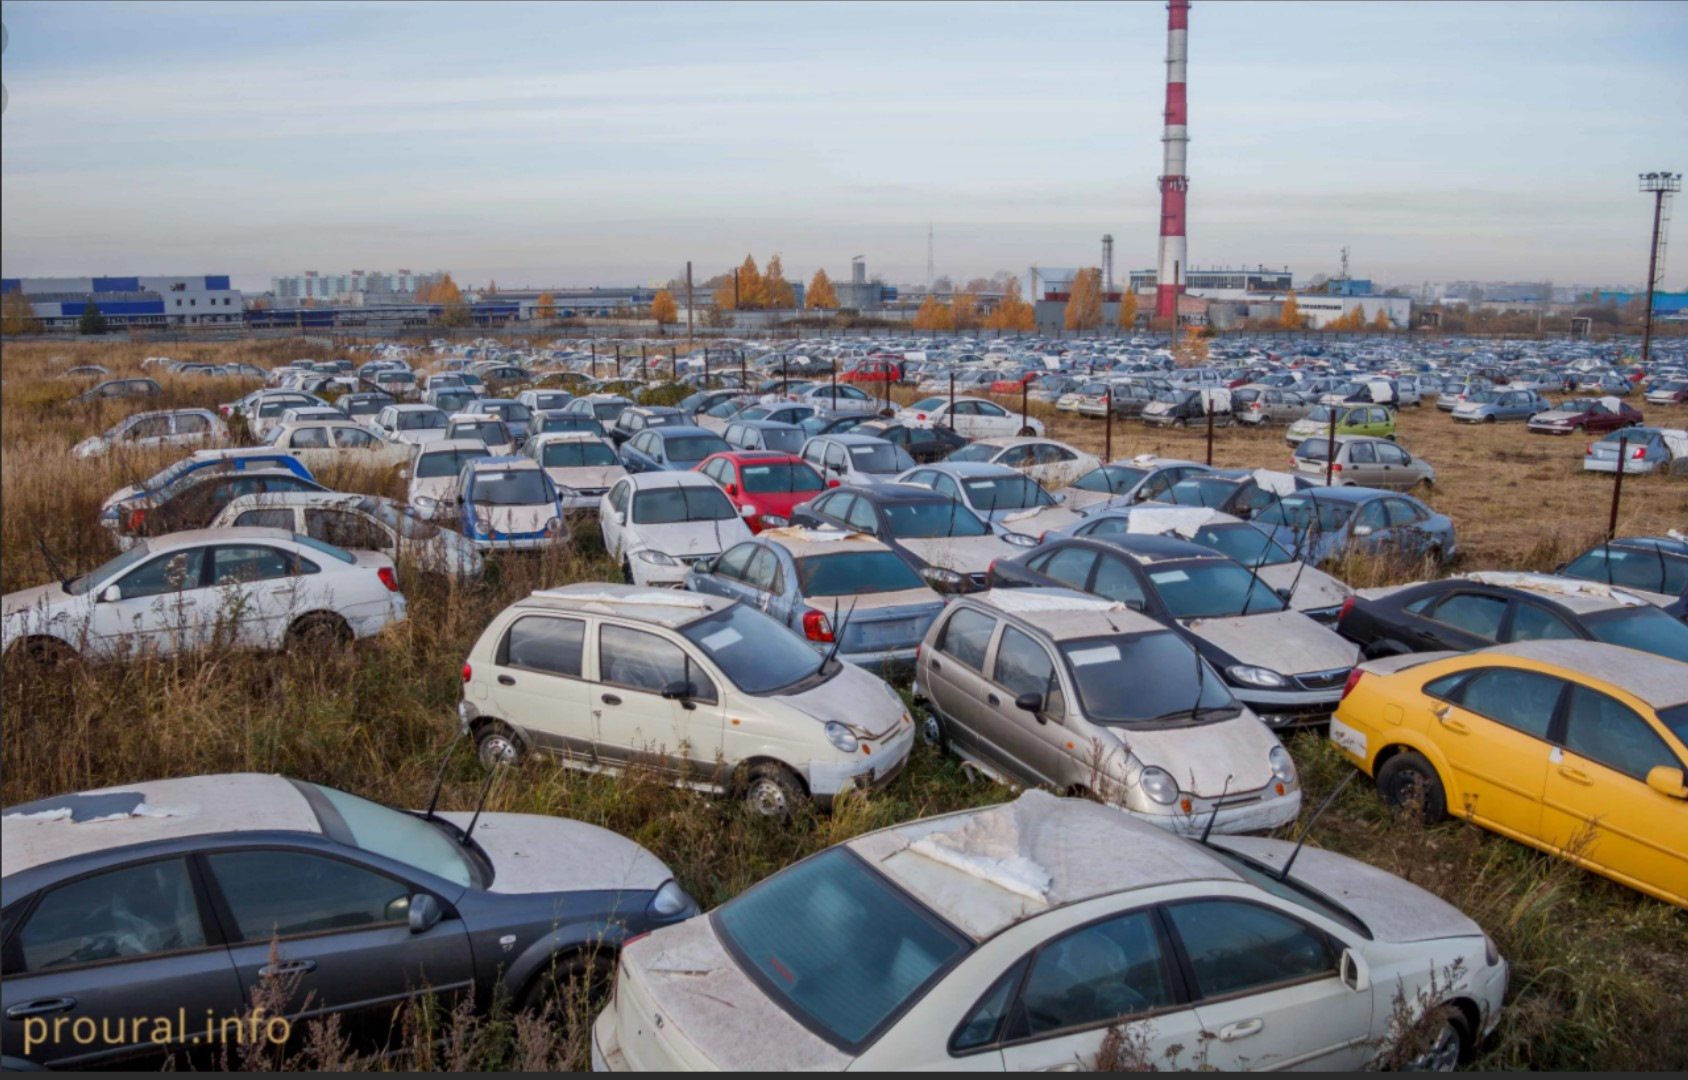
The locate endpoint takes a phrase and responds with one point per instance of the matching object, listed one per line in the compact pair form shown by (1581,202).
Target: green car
(1377,420)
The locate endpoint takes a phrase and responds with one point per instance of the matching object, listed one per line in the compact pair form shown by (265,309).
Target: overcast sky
(610,142)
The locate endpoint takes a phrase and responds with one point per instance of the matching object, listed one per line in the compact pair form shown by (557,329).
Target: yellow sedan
(1574,747)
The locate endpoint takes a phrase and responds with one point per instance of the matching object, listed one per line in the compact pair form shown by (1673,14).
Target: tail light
(816,626)
(1640,453)
(389,577)
(468,672)
(1353,681)
(136,519)
(1336,467)
(1589,451)
(1347,606)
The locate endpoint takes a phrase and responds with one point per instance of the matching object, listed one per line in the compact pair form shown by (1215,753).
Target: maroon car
(1591,415)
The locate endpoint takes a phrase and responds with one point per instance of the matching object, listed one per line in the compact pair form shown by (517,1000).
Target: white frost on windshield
(1278,483)
(1183,520)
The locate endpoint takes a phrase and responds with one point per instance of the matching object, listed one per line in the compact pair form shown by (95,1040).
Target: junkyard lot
(1600,973)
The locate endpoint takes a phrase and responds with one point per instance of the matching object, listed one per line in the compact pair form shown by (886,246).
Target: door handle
(1241,1030)
(1576,776)
(44,1007)
(993,699)
(610,699)
(936,666)
(1445,715)
(287,967)
(505,680)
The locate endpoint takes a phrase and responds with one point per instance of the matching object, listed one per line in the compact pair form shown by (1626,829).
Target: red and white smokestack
(1174,184)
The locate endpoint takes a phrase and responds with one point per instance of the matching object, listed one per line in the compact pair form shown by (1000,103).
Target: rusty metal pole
(594,359)
(951,414)
(743,373)
(1330,446)
(706,378)
(1617,487)
(1210,432)
(1108,426)
(835,382)
(1025,396)
(618,359)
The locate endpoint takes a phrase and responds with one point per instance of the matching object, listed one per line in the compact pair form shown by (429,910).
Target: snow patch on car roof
(1558,586)
(1033,600)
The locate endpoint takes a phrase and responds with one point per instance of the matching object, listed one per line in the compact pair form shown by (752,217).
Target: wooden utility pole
(1108,426)
(1617,487)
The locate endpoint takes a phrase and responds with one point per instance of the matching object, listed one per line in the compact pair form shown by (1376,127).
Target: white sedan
(1015,938)
(976,418)
(1052,464)
(258,588)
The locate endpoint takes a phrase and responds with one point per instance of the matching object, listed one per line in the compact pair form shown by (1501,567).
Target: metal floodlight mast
(1661,185)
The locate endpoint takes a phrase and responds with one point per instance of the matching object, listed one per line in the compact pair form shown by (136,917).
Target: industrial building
(131,301)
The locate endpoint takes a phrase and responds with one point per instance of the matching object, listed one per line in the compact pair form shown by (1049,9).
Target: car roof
(412,406)
(1151,461)
(766,425)
(675,431)
(669,478)
(82,823)
(1658,681)
(1076,849)
(1343,440)
(1575,594)
(1152,547)
(667,607)
(894,492)
(1065,614)
(503,462)
(802,542)
(563,436)
(971,468)
(851,438)
(1007,441)
(742,457)
(443,445)
(1344,494)
(190,537)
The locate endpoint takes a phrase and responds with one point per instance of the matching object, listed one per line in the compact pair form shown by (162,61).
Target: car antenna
(1248,597)
(1295,583)
(1201,683)
(838,631)
(480,804)
(439,777)
(52,563)
(1301,840)
(1207,829)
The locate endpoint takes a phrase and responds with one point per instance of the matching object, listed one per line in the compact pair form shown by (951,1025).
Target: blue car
(509,503)
(1321,523)
(121,506)
(673,449)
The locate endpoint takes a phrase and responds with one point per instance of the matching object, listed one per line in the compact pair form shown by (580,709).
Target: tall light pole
(1662,185)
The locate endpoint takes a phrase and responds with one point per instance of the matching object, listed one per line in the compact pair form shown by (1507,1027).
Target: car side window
(1607,731)
(345,529)
(1373,515)
(618,496)
(966,636)
(732,564)
(166,574)
(353,439)
(148,427)
(310,438)
(943,485)
(543,643)
(1116,582)
(645,662)
(1472,612)
(1016,457)
(1023,667)
(1158,484)
(1095,975)
(983,1025)
(136,911)
(1379,416)
(835,506)
(1048,454)
(1532,623)
(861,516)
(291,893)
(1402,512)
(244,564)
(266,519)
(763,571)
(987,408)
(835,456)
(1361,454)
(1522,700)
(1069,565)
(1234,947)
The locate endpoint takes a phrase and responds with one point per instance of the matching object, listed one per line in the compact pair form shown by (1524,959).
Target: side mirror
(1667,780)
(1029,701)
(732,489)
(1361,530)
(1134,605)
(1283,593)
(1353,971)
(425,913)
(678,691)
(459,498)
(704,566)
(746,511)
(111,594)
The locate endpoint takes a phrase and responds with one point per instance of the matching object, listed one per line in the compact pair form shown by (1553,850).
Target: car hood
(41,596)
(852,698)
(587,476)
(1287,642)
(1045,519)
(92,446)
(1315,589)
(1158,407)
(690,537)
(1556,414)
(532,853)
(419,436)
(963,554)
(1393,909)
(505,520)
(440,488)
(1231,755)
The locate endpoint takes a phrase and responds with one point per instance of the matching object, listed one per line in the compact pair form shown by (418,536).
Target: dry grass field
(1599,977)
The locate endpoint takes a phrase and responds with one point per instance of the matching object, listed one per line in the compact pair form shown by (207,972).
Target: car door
(862,517)
(1266,987)
(256,591)
(762,579)
(158,609)
(1370,529)
(955,677)
(186,429)
(636,724)
(274,517)
(335,933)
(348,529)
(727,576)
(1035,745)
(613,525)
(831,509)
(1394,471)
(835,461)
(540,687)
(1052,1011)
(1492,729)
(127,950)
(147,431)
(1597,804)
(992,419)
(312,446)
(1360,465)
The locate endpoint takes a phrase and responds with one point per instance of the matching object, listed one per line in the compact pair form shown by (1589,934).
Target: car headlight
(483,526)
(1283,766)
(554,526)
(669,900)
(775,521)
(939,578)
(840,736)
(1020,539)
(566,492)
(1490,953)
(657,558)
(1254,676)
(423,502)
(1158,785)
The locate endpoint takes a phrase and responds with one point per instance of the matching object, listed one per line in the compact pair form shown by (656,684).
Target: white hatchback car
(1017,937)
(259,588)
(581,464)
(324,443)
(707,691)
(657,524)
(168,427)
(431,479)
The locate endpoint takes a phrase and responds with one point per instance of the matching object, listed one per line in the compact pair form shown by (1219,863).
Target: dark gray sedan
(151,913)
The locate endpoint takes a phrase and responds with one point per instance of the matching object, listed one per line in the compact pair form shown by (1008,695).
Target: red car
(1012,386)
(873,371)
(1591,415)
(764,484)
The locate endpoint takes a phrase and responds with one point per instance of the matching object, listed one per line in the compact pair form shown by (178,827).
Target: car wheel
(1180,422)
(496,743)
(932,731)
(772,791)
(627,572)
(1447,1042)
(1489,419)
(44,651)
(319,629)
(1408,782)
(570,986)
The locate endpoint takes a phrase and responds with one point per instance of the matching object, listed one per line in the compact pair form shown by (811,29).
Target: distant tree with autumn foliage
(1382,322)
(933,315)
(546,306)
(17,316)
(821,294)
(1127,309)
(1352,319)
(1290,314)
(443,291)
(751,294)
(964,309)
(776,291)
(1084,300)
(1013,313)
(663,308)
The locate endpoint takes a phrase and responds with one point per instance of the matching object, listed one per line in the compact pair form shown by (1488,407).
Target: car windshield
(511,487)
(1298,511)
(1676,719)
(607,411)
(779,476)
(756,652)
(785,440)
(1113,479)
(880,460)
(1207,491)
(390,833)
(836,945)
(446,463)
(401,518)
(932,519)
(1648,629)
(576,454)
(1246,544)
(491,432)
(422,420)
(1148,678)
(1648,570)
(1212,589)
(990,493)
(855,573)
(1291,890)
(976,452)
(1317,449)
(725,409)
(671,505)
(554,399)
(693,447)
(108,569)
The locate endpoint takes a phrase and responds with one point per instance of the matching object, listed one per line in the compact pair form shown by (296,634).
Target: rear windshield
(1145,679)
(1016,492)
(779,476)
(1113,479)
(1246,544)
(976,452)
(1298,511)
(1313,450)
(694,447)
(855,573)
(837,945)
(446,463)
(667,506)
(607,411)
(422,420)
(786,440)
(327,549)
(554,399)
(1633,569)
(491,432)
(1212,590)
(1648,629)
(511,487)
(880,460)
(576,455)
(926,520)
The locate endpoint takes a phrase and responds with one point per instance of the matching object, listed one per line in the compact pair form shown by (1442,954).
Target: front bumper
(606,1044)
(1260,814)
(519,542)
(1288,708)
(869,772)
(888,660)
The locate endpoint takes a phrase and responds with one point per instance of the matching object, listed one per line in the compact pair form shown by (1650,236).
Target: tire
(44,651)
(1489,419)
(549,988)
(1409,783)
(773,790)
(627,572)
(933,731)
(1448,1042)
(318,629)
(496,743)
(1180,422)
